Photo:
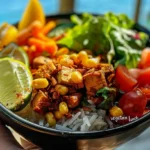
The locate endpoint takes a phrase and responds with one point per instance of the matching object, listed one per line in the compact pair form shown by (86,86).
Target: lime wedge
(15,84)
(14,51)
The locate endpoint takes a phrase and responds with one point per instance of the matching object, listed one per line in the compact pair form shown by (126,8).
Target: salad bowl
(48,138)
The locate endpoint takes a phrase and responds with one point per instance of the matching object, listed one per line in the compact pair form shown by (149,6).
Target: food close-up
(79,74)
(82,73)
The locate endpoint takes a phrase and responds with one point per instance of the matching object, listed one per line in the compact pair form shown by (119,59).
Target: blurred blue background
(11,12)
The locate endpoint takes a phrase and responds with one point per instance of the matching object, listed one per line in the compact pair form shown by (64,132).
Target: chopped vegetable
(133,103)
(124,80)
(116,111)
(109,95)
(115,39)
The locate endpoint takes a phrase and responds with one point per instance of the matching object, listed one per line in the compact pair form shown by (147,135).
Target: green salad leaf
(109,95)
(110,35)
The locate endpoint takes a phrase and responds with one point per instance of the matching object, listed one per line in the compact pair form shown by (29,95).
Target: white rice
(109,122)
(74,118)
(75,128)
(80,121)
(86,120)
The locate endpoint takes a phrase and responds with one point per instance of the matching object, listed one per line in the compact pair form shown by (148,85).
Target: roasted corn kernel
(90,63)
(50,119)
(40,83)
(74,57)
(76,77)
(82,56)
(63,108)
(115,111)
(66,62)
(58,115)
(61,57)
(62,51)
(61,89)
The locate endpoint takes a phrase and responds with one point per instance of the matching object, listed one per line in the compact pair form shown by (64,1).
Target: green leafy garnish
(110,35)
(109,95)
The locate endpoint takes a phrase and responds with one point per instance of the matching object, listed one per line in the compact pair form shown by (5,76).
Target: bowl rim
(75,134)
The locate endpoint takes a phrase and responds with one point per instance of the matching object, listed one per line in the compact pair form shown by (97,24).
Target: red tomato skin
(133,103)
(124,80)
(144,77)
(135,72)
(145,59)
(146,91)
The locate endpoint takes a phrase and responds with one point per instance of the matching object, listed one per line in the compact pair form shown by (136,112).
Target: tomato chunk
(124,80)
(133,103)
(146,91)
(145,59)
(144,77)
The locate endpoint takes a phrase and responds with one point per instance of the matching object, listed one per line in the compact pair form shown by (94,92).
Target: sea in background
(11,10)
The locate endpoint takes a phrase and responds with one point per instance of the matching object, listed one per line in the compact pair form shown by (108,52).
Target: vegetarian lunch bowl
(75,77)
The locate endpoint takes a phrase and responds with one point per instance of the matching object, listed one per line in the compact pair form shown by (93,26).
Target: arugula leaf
(109,95)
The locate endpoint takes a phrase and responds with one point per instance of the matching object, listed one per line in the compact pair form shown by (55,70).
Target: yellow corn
(40,83)
(62,51)
(116,111)
(76,77)
(61,89)
(63,108)
(50,119)
(82,56)
(90,63)
(74,57)
(66,62)
(61,57)
(58,115)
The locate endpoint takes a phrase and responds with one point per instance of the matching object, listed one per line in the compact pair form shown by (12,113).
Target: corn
(76,77)
(61,89)
(61,57)
(116,111)
(58,115)
(74,57)
(50,119)
(90,63)
(66,62)
(63,108)
(40,83)
(82,56)
(62,51)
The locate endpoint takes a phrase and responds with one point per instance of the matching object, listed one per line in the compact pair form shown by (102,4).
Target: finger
(7,141)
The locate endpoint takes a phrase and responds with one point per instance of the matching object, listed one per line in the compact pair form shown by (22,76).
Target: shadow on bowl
(49,138)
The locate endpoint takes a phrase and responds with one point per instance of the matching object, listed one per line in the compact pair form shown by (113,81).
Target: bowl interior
(79,135)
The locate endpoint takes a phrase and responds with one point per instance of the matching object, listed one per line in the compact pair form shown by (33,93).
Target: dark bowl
(49,138)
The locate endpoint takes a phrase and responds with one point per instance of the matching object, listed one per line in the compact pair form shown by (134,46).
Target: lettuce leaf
(110,35)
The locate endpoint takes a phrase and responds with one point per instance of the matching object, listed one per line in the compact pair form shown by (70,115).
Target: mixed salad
(83,74)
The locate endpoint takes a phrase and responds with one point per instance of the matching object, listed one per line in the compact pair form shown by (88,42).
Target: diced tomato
(133,103)
(135,72)
(124,80)
(146,91)
(144,77)
(145,59)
